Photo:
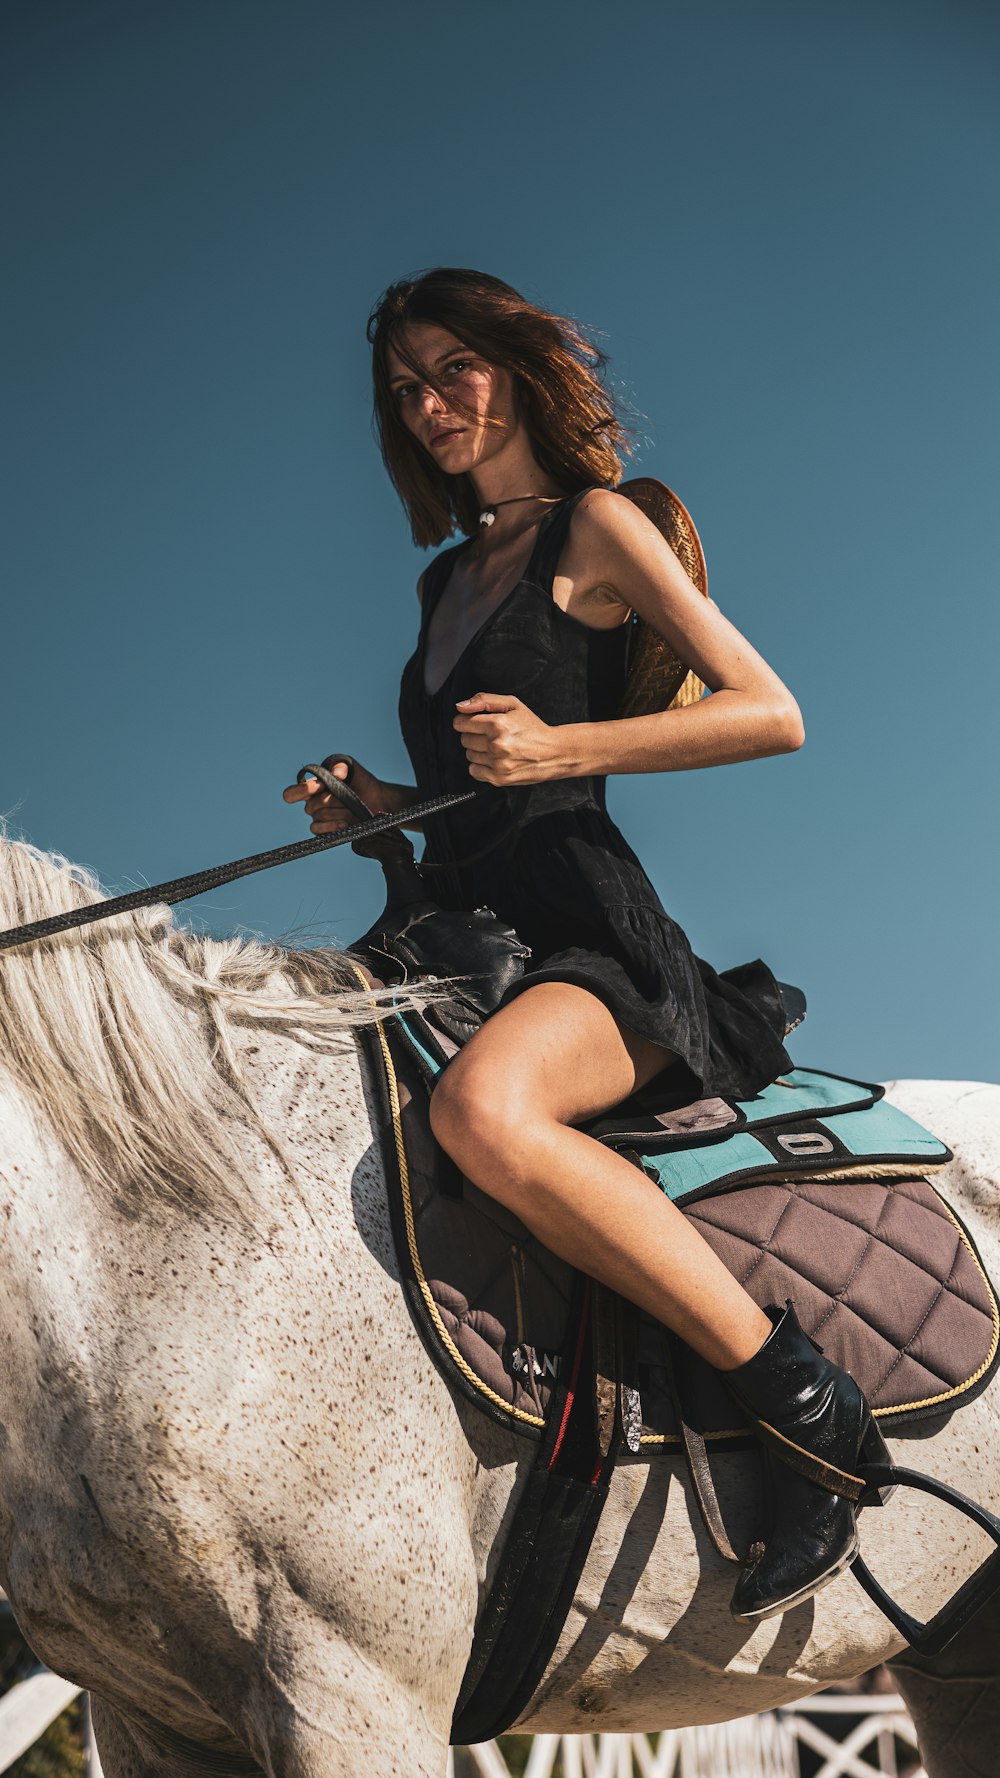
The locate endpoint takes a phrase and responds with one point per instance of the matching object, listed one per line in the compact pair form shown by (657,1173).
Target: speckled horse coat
(240,1505)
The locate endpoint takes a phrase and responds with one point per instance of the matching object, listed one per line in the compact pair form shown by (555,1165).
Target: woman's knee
(474,1117)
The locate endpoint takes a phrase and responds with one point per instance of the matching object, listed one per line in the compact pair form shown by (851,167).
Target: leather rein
(365,835)
(340,787)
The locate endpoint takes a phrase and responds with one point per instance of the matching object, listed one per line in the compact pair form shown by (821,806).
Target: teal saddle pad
(808,1121)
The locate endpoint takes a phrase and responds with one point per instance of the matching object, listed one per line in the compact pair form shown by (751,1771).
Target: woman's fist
(505,742)
(327,814)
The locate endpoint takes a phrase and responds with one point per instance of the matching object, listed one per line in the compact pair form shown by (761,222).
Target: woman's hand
(329,815)
(506,743)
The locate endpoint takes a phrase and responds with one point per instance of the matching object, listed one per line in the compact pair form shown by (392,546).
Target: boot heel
(874,1456)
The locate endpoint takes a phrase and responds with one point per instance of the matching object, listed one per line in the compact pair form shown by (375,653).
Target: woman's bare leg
(502,1110)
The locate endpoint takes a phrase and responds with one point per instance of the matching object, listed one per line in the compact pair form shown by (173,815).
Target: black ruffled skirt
(575,892)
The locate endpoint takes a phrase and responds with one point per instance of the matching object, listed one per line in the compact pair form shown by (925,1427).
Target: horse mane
(122,1036)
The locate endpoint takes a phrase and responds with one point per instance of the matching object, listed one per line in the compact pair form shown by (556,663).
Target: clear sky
(781,218)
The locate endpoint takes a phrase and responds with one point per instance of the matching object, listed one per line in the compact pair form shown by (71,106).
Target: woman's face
(452,426)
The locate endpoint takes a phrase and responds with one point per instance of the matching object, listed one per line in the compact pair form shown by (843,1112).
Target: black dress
(547,857)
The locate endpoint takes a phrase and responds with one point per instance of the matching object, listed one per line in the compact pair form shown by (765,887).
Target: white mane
(121,1035)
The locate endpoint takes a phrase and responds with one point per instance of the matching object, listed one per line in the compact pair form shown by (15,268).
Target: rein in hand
(184,888)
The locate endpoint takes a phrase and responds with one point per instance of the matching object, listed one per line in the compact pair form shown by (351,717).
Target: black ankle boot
(817,1429)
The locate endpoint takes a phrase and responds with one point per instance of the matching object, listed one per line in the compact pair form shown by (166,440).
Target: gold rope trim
(674,1438)
(960,1388)
(411,1235)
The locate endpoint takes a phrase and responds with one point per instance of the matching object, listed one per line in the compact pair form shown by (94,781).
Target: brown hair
(575,426)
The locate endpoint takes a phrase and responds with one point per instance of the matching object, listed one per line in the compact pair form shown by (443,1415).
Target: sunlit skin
(560,1053)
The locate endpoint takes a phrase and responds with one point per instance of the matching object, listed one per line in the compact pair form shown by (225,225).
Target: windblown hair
(121,1036)
(576,429)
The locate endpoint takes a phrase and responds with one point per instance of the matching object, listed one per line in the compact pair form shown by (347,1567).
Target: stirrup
(931,1637)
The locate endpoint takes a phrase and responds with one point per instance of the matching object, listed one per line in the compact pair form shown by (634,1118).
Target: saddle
(816,1190)
(836,1207)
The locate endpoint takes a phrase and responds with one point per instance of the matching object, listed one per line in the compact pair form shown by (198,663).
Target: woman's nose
(429,399)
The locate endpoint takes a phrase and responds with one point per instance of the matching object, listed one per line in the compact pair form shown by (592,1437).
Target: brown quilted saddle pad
(882,1274)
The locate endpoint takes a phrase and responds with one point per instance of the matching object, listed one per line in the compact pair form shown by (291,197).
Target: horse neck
(86,1274)
(206,1340)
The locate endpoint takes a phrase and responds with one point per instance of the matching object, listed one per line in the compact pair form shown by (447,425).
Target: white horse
(238,1502)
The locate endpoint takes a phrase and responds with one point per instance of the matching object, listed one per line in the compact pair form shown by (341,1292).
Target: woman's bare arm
(616,553)
(615,561)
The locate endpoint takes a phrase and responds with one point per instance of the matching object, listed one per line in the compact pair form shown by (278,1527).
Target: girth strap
(545,1550)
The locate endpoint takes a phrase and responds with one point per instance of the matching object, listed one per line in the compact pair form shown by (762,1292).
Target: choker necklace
(489,513)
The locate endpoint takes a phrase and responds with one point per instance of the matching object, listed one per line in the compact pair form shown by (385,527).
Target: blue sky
(780,219)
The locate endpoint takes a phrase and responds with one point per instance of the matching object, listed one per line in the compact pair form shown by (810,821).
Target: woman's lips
(441,438)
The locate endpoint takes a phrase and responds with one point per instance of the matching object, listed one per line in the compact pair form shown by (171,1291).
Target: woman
(492,417)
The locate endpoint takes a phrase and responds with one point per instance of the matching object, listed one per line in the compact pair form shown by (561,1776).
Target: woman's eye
(403,391)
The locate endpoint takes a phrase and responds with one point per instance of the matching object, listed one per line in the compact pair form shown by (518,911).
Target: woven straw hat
(657,680)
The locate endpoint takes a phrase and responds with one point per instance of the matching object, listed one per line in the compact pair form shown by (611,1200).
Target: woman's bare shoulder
(605,512)
(612,525)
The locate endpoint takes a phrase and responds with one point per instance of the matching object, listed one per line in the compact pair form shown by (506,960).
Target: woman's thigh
(556,1050)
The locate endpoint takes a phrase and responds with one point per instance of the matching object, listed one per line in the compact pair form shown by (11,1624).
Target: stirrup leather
(815,1469)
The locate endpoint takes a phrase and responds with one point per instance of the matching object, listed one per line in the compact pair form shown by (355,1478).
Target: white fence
(26,1711)
(765,1746)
